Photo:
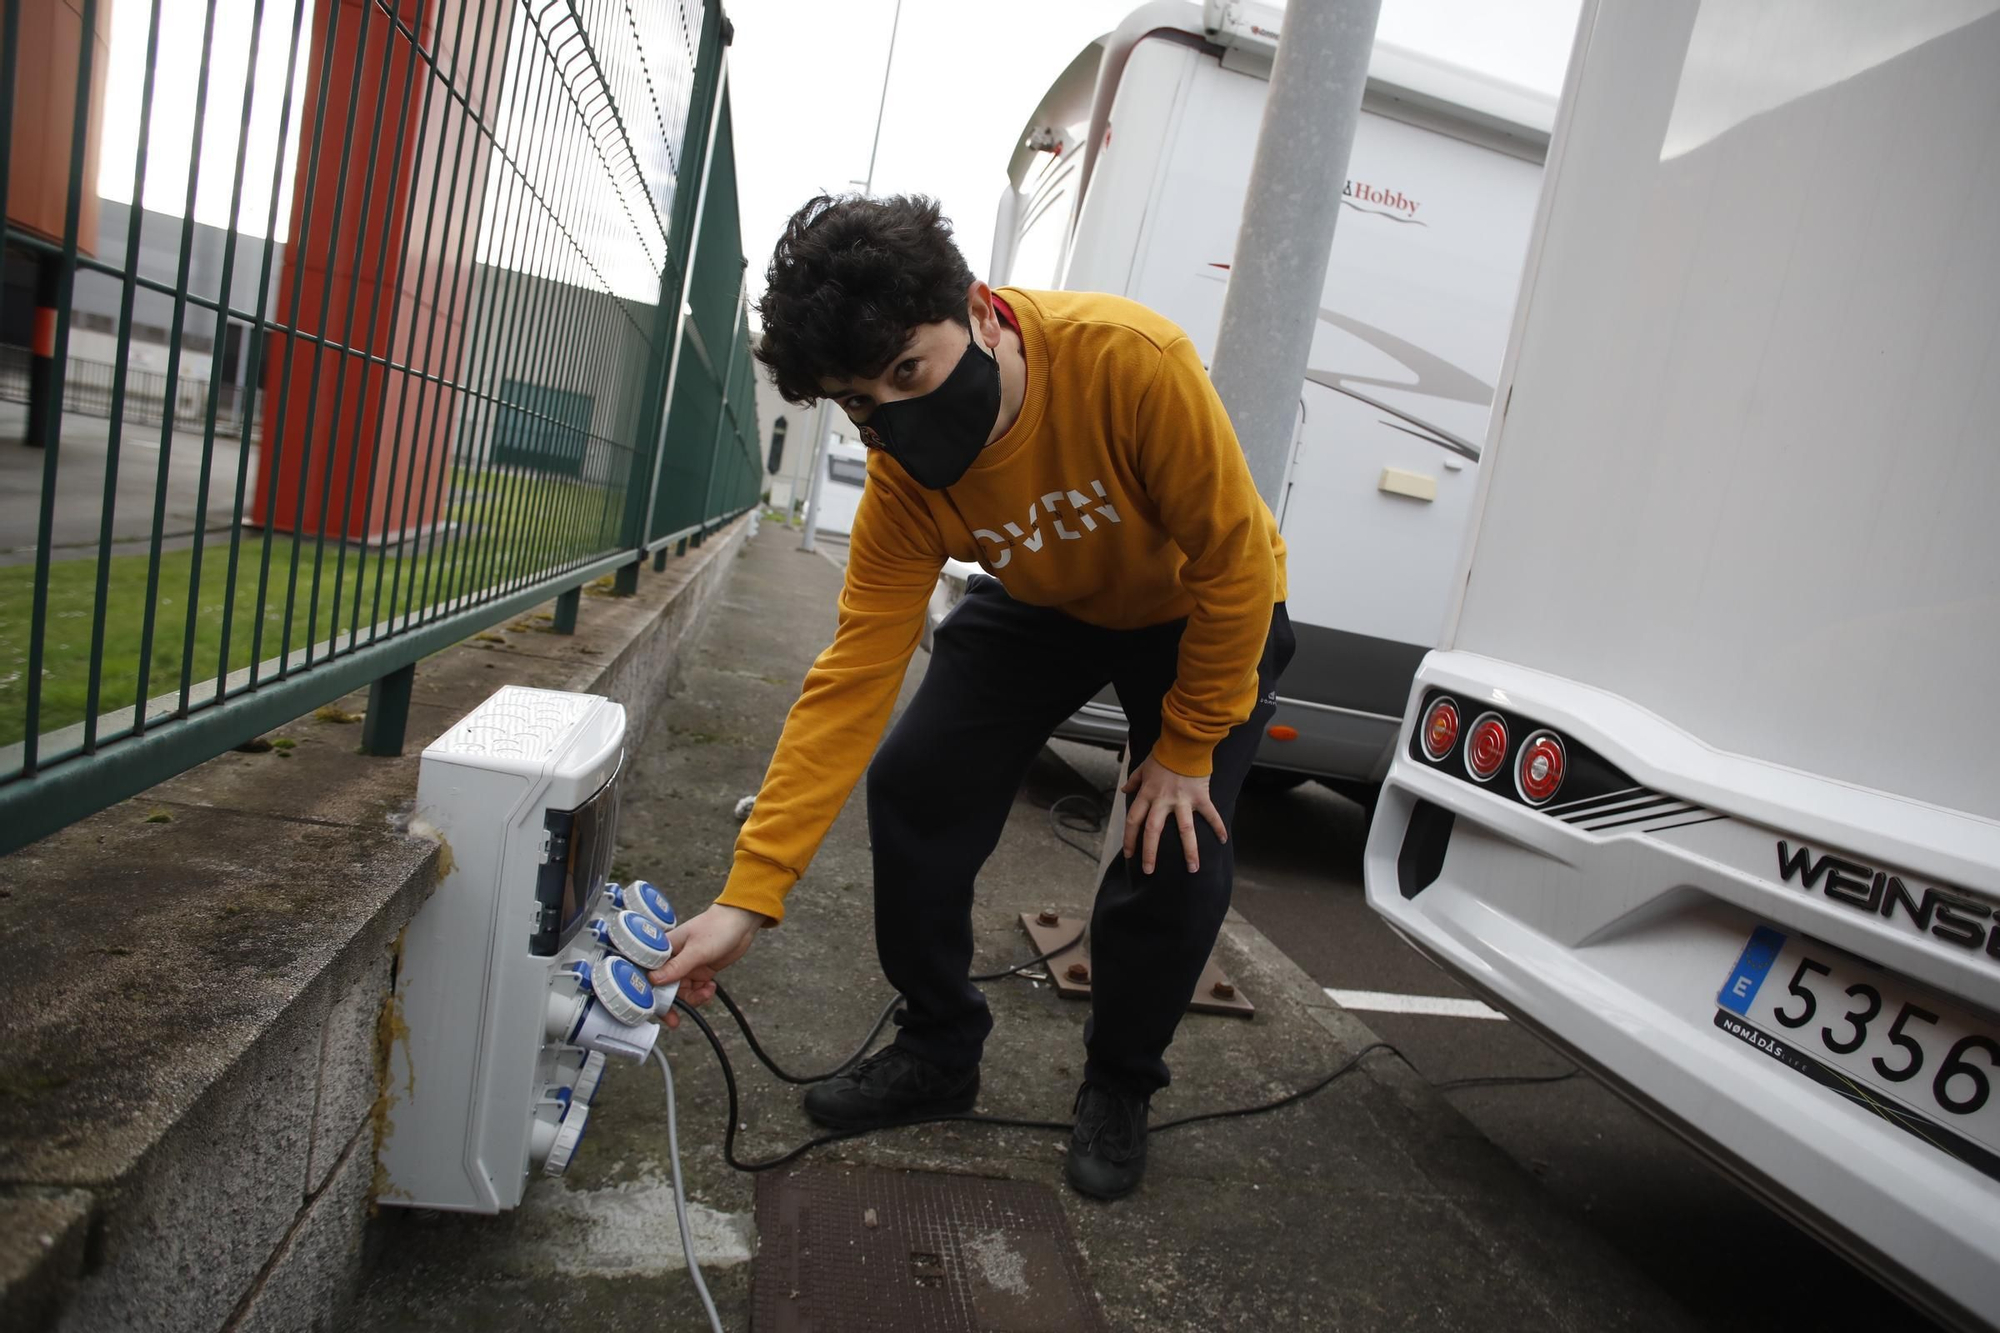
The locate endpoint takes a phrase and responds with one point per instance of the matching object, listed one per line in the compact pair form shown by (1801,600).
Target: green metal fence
(493,351)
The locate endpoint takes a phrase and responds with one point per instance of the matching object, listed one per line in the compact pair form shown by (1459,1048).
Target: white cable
(680,1197)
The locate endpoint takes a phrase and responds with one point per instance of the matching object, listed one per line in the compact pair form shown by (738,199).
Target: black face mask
(936,437)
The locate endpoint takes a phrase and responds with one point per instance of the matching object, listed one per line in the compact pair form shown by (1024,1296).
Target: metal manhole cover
(944,1254)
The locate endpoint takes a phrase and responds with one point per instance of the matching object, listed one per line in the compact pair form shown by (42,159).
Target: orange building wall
(44,114)
(330,413)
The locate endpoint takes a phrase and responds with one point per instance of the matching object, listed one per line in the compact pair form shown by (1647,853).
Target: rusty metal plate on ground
(847,1248)
(1215,993)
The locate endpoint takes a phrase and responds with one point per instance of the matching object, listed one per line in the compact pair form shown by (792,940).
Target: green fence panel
(713,345)
(393,357)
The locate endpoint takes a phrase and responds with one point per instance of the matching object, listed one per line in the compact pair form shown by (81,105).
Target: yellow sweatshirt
(1119,496)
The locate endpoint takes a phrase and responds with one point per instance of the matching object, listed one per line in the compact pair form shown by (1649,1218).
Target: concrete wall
(601,342)
(99,295)
(786,482)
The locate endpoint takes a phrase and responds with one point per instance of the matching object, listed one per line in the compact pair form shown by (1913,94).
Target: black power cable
(881,1019)
(1027,963)
(1090,823)
(1058,823)
(1504,1080)
(1005,1122)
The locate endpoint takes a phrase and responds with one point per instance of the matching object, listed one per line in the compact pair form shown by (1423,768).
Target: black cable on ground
(1027,963)
(1091,823)
(1004,1122)
(1058,822)
(750,1037)
(881,1020)
(1503,1080)
(1300,1095)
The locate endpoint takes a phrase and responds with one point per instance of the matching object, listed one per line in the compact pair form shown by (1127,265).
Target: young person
(1072,445)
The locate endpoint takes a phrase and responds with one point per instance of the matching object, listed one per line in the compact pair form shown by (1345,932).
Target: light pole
(808,542)
(818,419)
(868,186)
(1276,276)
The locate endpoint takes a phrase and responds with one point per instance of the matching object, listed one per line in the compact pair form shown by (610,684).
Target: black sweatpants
(1002,675)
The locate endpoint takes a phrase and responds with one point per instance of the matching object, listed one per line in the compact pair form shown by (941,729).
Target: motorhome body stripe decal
(1629,806)
(1678,810)
(1622,794)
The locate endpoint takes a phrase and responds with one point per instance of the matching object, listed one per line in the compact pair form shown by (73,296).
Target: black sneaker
(1107,1149)
(891,1087)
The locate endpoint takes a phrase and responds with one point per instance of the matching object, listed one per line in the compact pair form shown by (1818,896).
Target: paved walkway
(1373,1205)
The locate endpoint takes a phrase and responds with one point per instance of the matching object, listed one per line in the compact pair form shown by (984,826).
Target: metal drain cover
(844,1248)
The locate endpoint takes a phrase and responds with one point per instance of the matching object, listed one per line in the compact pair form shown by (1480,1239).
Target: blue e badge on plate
(1758,955)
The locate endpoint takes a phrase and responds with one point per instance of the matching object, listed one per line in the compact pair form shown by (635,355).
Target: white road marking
(1387,1002)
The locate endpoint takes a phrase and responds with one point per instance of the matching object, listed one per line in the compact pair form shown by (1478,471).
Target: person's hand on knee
(1155,794)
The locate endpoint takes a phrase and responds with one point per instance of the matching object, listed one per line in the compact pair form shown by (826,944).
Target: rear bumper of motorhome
(1634,919)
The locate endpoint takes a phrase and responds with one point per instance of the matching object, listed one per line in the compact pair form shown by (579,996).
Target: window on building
(777,458)
(538,427)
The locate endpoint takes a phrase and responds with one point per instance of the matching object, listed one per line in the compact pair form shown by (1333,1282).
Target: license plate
(1915,1059)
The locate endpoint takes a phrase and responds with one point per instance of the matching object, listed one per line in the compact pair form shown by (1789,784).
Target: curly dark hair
(850,278)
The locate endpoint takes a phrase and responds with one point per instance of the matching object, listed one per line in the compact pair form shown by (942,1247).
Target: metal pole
(1279,270)
(809,541)
(868,186)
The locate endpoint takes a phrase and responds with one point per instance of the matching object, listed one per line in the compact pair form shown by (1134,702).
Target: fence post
(388,714)
(640,504)
(44,411)
(737,336)
(566,608)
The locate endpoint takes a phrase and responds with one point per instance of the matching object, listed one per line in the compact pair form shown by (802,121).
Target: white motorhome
(1702,782)
(843,473)
(1130,178)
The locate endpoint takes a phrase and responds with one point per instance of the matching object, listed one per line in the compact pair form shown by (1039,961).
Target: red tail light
(1440,731)
(1538,773)
(1486,747)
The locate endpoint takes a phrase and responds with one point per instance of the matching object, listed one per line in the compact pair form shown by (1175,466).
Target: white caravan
(1130,178)
(843,473)
(1704,781)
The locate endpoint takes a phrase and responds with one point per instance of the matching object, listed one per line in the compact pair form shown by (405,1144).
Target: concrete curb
(188,1021)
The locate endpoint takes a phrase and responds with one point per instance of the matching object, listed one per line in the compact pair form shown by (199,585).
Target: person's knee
(905,767)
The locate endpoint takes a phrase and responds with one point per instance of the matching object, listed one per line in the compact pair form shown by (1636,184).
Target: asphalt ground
(79,502)
(1676,1218)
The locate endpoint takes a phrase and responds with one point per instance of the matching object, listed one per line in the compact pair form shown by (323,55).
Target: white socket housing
(606,1035)
(568,1134)
(522,795)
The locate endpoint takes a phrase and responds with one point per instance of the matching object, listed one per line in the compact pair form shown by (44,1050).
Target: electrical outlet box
(488,1077)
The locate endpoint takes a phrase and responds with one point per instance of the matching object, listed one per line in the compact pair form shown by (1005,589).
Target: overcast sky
(807,74)
(806,78)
